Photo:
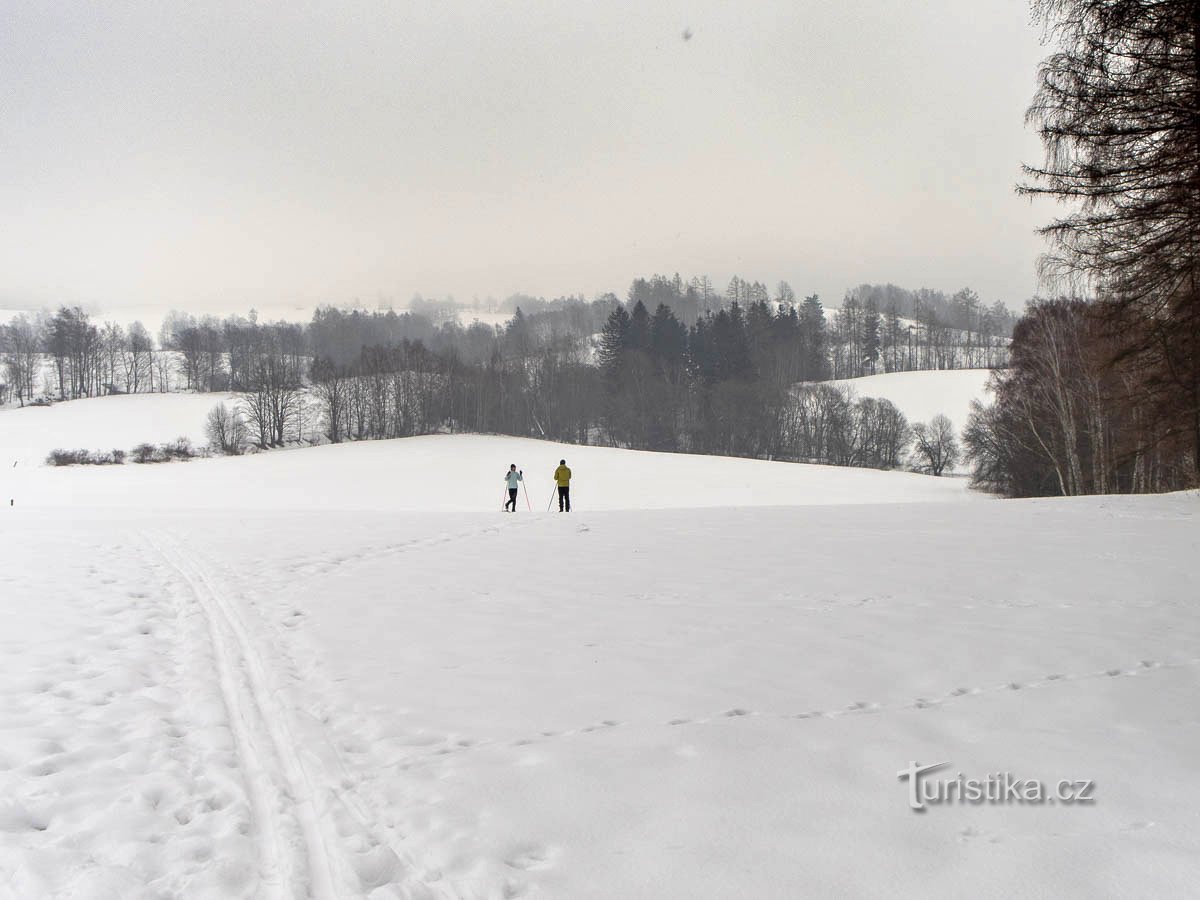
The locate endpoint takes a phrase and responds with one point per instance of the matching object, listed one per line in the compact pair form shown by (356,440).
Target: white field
(923,395)
(342,672)
(119,422)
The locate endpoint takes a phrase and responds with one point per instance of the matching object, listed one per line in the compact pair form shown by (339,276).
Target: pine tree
(638,334)
(815,338)
(614,342)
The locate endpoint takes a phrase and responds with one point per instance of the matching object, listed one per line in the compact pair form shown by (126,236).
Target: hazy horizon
(164,155)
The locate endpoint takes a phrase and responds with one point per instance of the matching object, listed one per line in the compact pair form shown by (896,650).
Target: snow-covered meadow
(341,672)
(923,395)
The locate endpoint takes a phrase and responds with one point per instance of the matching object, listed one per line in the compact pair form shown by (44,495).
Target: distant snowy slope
(922,395)
(102,423)
(463,472)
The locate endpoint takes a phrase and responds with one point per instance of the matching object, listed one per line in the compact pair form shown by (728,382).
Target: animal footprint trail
(958,693)
(863,707)
(319,565)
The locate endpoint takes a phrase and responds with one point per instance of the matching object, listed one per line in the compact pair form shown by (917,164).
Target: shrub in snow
(180,448)
(146,453)
(85,458)
(67,458)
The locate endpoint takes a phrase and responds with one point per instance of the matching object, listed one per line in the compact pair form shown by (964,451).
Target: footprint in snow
(530,856)
(1137,826)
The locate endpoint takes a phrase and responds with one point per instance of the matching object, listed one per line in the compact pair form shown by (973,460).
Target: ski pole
(553,491)
(526,490)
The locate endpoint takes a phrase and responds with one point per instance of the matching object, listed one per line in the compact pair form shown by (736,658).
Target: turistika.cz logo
(997,788)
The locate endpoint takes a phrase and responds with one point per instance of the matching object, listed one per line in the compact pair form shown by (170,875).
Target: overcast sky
(225,154)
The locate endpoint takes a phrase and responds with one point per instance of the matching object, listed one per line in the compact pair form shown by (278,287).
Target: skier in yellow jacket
(562,477)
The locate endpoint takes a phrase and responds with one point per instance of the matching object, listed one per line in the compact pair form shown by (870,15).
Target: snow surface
(119,422)
(342,672)
(923,395)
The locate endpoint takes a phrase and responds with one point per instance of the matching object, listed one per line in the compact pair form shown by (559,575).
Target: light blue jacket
(512,478)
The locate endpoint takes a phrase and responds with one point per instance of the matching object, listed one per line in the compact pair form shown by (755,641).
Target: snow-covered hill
(442,472)
(28,434)
(923,395)
(342,672)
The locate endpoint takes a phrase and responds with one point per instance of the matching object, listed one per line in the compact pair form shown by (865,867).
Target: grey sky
(234,153)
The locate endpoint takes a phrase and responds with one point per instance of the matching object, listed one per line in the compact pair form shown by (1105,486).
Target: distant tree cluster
(736,373)
(721,386)
(85,360)
(884,328)
(823,423)
(727,385)
(1067,419)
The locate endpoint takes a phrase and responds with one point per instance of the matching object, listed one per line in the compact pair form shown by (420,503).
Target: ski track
(362,820)
(274,775)
(339,852)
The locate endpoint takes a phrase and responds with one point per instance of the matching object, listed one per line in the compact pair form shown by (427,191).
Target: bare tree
(225,430)
(22,346)
(136,358)
(935,447)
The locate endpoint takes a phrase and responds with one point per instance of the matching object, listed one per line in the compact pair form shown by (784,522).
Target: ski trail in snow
(275,777)
(373,855)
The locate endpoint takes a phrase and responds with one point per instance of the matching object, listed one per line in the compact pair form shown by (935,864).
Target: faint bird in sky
(687,34)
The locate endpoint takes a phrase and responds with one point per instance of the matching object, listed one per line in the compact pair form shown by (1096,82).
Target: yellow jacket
(562,476)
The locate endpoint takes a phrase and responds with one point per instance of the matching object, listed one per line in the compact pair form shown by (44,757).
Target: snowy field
(923,395)
(102,423)
(425,473)
(342,672)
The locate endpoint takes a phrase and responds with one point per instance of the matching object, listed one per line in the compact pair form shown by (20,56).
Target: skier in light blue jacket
(512,479)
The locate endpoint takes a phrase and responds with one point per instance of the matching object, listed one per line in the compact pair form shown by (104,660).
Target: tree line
(85,360)
(735,380)
(1105,395)
(731,384)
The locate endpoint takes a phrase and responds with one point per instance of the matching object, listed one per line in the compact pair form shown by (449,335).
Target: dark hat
(562,462)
